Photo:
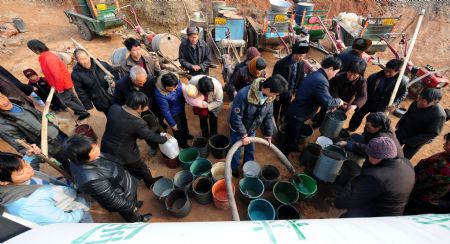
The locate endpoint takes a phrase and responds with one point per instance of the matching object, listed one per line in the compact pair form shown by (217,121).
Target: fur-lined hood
(253,93)
(159,85)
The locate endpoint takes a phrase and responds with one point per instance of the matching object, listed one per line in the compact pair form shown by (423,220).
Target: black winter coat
(378,98)
(380,190)
(342,88)
(105,180)
(283,67)
(348,58)
(242,78)
(200,56)
(419,126)
(122,130)
(91,85)
(124,87)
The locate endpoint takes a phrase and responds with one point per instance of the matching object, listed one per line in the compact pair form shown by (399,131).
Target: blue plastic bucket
(260,209)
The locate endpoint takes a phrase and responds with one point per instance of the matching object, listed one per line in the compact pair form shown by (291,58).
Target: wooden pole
(408,55)
(44,122)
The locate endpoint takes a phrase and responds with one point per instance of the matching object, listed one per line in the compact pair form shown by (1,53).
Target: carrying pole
(408,55)
(44,122)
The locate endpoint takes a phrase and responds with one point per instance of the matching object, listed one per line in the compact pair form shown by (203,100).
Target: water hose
(232,201)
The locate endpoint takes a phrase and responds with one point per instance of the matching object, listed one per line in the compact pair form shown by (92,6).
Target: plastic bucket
(218,171)
(219,145)
(349,170)
(324,141)
(85,130)
(269,176)
(219,192)
(171,163)
(201,167)
(187,157)
(333,123)
(201,144)
(167,44)
(308,7)
(202,190)
(280,5)
(310,155)
(162,188)
(178,203)
(183,180)
(305,133)
(251,188)
(307,187)
(260,209)
(284,192)
(287,211)
(251,169)
(329,163)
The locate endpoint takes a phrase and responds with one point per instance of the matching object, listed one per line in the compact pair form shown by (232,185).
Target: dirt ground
(49,24)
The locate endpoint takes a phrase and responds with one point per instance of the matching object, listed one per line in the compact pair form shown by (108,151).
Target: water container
(269,176)
(299,11)
(284,192)
(218,171)
(220,195)
(260,209)
(202,190)
(183,180)
(250,188)
(333,123)
(280,5)
(305,133)
(178,203)
(219,145)
(201,167)
(162,188)
(305,185)
(167,44)
(310,155)
(201,144)
(287,211)
(170,147)
(251,169)
(187,157)
(329,164)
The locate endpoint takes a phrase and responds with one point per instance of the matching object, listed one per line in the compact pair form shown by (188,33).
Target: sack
(170,148)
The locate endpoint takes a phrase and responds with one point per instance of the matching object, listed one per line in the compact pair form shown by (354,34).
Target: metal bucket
(333,123)
(178,203)
(329,164)
(202,187)
(260,209)
(250,188)
(269,176)
(197,19)
(310,155)
(287,211)
(183,180)
(349,170)
(219,145)
(162,188)
(201,144)
(167,44)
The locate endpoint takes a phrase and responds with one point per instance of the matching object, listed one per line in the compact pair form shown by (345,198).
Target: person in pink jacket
(57,75)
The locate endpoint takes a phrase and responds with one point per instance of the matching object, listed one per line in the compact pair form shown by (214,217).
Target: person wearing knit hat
(42,89)
(291,68)
(247,74)
(195,54)
(384,185)
(355,53)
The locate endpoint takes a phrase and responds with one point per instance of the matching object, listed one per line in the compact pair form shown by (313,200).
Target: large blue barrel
(299,11)
(330,163)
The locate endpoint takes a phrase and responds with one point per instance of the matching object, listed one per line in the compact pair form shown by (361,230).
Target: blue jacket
(244,115)
(313,92)
(170,103)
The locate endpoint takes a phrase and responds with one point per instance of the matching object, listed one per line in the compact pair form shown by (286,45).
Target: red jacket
(55,71)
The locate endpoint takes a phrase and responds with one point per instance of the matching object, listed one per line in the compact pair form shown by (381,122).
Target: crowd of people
(147,100)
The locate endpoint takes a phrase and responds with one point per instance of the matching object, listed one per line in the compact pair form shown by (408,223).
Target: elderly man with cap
(291,68)
(384,185)
(194,54)
(360,45)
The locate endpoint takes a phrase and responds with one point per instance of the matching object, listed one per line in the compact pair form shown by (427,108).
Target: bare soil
(48,23)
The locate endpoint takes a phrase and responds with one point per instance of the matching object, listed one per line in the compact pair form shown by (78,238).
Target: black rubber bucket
(269,176)
(178,203)
(310,155)
(201,144)
(305,133)
(202,190)
(349,170)
(219,145)
(287,211)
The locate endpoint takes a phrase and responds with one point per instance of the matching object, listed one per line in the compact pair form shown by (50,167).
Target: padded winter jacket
(283,67)
(215,98)
(170,103)
(55,71)
(200,56)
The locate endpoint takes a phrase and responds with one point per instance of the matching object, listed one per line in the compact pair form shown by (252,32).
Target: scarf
(252,66)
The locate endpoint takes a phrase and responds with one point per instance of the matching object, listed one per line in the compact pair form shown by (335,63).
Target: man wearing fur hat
(384,185)
(291,68)
(360,45)
(194,54)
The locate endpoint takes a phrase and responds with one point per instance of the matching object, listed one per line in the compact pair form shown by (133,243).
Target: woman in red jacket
(57,75)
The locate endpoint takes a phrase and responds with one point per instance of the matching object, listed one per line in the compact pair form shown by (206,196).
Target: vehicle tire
(84,31)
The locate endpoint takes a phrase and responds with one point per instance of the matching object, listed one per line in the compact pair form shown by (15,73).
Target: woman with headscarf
(377,125)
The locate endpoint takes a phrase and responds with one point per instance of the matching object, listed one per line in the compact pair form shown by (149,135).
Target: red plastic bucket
(219,191)
(171,163)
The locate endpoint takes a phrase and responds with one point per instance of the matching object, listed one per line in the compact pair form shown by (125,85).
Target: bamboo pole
(44,122)
(408,55)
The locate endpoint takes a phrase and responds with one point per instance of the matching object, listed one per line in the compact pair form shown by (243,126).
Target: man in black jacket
(123,127)
(195,55)
(291,68)
(360,45)
(384,185)
(90,83)
(103,178)
(380,87)
(422,122)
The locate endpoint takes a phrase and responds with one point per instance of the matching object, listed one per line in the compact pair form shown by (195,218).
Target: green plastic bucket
(187,157)
(307,187)
(201,167)
(251,188)
(260,209)
(285,192)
